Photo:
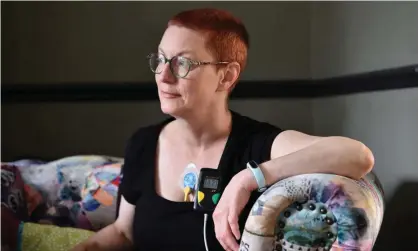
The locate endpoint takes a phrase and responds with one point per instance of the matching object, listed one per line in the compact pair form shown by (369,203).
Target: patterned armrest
(316,212)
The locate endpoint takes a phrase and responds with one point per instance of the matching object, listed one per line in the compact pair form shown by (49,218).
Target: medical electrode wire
(204,231)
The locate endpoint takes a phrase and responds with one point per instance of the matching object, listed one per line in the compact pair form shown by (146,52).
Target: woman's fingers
(224,233)
(233,224)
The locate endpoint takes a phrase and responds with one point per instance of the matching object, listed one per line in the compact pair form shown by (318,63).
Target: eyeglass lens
(179,66)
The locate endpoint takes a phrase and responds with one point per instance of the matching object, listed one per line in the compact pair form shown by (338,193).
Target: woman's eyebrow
(181,53)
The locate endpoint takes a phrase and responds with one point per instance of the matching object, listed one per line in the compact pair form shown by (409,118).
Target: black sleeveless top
(160,224)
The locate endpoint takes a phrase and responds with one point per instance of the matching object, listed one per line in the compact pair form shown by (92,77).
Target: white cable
(204,232)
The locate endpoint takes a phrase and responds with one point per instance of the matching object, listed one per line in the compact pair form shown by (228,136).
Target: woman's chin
(172,110)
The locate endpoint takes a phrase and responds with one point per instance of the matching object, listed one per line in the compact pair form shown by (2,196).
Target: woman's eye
(183,62)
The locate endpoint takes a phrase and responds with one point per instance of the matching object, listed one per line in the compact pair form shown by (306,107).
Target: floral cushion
(51,192)
(99,195)
(13,191)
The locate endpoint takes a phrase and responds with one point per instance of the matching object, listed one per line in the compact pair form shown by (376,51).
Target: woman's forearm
(335,155)
(109,238)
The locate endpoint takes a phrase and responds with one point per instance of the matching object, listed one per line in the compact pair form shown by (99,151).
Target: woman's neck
(205,127)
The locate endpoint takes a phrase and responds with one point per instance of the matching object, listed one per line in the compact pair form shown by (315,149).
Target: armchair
(316,212)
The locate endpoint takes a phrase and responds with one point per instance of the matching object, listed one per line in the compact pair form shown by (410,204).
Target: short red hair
(226,36)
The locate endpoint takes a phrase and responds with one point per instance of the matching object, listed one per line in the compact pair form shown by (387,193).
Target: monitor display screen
(210,183)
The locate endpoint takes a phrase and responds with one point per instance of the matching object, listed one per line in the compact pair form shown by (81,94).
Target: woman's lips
(169,95)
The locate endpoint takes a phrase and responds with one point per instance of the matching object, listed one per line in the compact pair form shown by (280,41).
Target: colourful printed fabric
(33,198)
(62,179)
(100,194)
(26,162)
(13,191)
(52,190)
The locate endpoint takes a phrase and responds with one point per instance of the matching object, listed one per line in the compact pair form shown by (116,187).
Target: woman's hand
(233,200)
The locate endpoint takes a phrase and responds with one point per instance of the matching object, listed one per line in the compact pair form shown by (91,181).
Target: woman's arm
(115,237)
(296,153)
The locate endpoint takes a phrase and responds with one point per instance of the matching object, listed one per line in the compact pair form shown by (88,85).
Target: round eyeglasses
(179,65)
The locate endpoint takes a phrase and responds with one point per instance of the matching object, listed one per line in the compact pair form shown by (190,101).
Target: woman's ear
(229,76)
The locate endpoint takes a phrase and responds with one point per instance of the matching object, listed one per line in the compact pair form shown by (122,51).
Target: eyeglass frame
(190,61)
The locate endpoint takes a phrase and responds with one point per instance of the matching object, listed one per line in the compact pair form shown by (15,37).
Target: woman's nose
(166,75)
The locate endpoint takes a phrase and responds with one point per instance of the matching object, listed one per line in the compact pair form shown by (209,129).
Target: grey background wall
(107,42)
(353,37)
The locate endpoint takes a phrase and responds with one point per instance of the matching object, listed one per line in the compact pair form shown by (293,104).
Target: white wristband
(258,175)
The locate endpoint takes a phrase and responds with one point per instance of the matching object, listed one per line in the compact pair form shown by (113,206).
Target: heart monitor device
(208,193)
(208,190)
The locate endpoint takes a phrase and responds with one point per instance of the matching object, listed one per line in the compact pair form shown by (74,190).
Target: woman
(199,60)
